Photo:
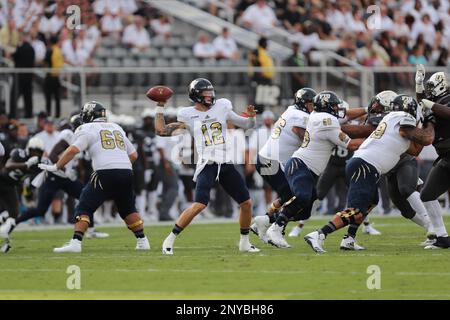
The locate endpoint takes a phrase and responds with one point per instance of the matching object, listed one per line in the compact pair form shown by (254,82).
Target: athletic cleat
(261,225)
(275,236)
(7,227)
(74,245)
(167,247)
(295,232)
(246,246)
(369,229)
(254,229)
(3,216)
(349,243)
(6,246)
(142,244)
(440,243)
(431,239)
(96,234)
(315,241)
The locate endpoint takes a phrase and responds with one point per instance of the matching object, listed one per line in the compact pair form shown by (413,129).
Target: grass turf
(207,265)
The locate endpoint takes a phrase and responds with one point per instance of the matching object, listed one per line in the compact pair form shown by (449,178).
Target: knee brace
(136,225)
(351,216)
(83,218)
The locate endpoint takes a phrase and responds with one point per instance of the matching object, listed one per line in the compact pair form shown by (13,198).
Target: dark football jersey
(442,130)
(16,175)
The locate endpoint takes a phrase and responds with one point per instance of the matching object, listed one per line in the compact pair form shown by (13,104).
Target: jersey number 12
(216,136)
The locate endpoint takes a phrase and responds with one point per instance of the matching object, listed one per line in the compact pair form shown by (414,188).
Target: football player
(207,123)
(402,179)
(287,135)
(322,134)
(435,99)
(396,134)
(60,180)
(21,163)
(112,156)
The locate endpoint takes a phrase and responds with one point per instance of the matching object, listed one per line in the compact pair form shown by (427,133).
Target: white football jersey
(107,144)
(209,129)
(323,133)
(385,145)
(283,142)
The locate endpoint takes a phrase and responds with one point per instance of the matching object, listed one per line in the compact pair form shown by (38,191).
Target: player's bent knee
(83,218)
(406,191)
(351,216)
(137,225)
(246,204)
(198,207)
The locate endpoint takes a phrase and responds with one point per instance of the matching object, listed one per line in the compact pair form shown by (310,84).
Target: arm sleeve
(337,137)
(81,140)
(243,122)
(2,150)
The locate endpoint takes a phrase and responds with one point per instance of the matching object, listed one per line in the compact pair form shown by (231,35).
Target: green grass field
(207,265)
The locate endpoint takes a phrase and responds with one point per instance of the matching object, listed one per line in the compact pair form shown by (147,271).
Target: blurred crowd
(373,33)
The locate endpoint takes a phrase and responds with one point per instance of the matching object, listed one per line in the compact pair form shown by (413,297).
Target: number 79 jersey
(385,145)
(106,143)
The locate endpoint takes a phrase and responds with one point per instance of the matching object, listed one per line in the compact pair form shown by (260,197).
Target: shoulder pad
(225,103)
(408,121)
(18,155)
(326,121)
(375,119)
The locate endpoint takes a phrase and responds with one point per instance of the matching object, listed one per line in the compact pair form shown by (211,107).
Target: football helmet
(202,91)
(304,96)
(35,145)
(75,121)
(406,103)
(381,103)
(436,86)
(328,101)
(92,110)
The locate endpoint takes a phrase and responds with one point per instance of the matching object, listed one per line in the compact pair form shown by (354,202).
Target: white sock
(171,236)
(421,222)
(152,197)
(434,212)
(245,237)
(421,217)
(140,202)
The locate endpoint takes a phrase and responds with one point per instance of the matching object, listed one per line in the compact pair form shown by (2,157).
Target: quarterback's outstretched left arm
(244,122)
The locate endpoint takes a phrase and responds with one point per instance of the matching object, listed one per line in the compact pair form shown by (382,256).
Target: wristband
(159,109)
(420,88)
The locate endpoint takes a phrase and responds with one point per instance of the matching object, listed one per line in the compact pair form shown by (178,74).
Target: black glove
(430,118)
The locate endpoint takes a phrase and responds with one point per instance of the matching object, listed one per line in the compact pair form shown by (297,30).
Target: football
(159,93)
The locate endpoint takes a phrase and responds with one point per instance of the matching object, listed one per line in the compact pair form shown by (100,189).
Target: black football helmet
(75,121)
(327,101)
(198,87)
(92,110)
(405,103)
(304,96)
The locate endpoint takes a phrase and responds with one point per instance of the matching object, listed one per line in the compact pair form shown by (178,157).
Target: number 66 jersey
(107,144)
(209,129)
(385,145)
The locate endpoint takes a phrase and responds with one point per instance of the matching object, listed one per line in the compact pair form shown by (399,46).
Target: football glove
(32,161)
(47,167)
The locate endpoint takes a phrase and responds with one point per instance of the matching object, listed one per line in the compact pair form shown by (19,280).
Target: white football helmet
(35,143)
(385,97)
(436,86)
